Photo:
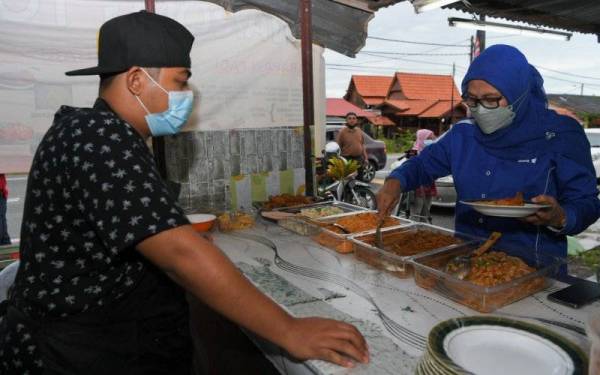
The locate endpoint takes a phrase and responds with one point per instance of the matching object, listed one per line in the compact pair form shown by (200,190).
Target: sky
(569,61)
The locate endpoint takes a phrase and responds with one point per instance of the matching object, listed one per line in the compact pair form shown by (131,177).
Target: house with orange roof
(368,92)
(417,101)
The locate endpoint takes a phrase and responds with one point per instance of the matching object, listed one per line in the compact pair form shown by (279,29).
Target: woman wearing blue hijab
(513,143)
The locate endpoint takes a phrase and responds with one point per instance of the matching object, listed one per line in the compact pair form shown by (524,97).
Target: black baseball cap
(140,39)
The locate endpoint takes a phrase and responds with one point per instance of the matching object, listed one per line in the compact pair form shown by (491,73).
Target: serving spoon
(460,266)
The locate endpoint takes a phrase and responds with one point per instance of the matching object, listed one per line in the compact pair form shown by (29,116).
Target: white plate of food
(490,209)
(505,207)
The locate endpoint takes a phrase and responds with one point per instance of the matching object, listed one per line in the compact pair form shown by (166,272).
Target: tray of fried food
(299,219)
(284,200)
(237,220)
(401,243)
(334,231)
(496,278)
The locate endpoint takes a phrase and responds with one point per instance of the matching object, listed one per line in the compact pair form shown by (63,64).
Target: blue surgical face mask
(172,120)
(428,142)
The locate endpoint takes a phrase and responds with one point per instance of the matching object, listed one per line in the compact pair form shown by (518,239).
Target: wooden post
(307,90)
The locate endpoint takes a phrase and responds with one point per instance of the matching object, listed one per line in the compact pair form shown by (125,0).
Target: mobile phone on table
(577,295)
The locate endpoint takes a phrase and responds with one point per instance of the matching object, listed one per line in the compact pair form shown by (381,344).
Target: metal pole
(582,89)
(452,95)
(307,91)
(471,51)
(150,6)
(481,36)
(158,143)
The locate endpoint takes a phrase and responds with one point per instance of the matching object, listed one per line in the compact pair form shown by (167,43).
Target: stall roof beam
(572,15)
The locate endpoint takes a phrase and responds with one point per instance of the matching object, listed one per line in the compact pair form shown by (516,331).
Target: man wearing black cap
(105,248)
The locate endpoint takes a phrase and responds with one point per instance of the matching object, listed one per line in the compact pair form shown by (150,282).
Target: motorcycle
(346,189)
(403,207)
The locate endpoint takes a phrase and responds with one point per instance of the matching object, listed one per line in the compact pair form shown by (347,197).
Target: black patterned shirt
(93,194)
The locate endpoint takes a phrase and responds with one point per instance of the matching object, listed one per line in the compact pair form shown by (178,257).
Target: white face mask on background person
(428,142)
(492,120)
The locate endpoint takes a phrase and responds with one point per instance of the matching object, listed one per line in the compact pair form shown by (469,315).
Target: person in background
(4,237)
(106,252)
(513,143)
(352,140)
(423,194)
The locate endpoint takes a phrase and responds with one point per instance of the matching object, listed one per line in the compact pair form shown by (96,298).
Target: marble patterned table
(393,314)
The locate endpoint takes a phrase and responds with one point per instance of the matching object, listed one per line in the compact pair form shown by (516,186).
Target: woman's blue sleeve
(577,194)
(432,163)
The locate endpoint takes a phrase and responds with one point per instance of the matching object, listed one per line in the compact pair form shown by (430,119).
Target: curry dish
(493,268)
(286,200)
(517,200)
(360,223)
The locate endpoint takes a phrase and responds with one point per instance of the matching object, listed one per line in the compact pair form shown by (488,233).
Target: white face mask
(428,142)
(492,120)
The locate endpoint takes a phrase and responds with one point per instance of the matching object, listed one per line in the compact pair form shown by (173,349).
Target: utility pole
(481,36)
(452,95)
(471,50)
(582,89)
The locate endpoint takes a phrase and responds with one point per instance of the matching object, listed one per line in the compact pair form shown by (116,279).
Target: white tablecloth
(393,314)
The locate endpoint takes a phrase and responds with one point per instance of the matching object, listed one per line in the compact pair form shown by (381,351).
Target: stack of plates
(485,345)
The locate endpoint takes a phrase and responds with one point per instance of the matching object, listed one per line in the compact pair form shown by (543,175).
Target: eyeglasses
(487,102)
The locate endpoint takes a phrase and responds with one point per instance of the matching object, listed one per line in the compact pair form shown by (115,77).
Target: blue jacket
(541,152)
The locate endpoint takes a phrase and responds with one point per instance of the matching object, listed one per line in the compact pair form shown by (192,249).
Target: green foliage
(401,142)
(590,258)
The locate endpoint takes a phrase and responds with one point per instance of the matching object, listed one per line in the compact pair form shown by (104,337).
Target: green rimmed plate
(478,344)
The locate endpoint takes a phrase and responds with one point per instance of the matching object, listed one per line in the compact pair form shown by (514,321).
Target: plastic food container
(402,243)
(430,274)
(341,242)
(306,226)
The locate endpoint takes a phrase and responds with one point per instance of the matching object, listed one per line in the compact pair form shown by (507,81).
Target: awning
(340,25)
(572,15)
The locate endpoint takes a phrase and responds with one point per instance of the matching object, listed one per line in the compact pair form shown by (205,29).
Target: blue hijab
(535,129)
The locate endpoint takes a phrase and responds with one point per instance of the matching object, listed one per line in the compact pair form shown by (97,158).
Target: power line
(413,60)
(567,74)
(416,53)
(419,43)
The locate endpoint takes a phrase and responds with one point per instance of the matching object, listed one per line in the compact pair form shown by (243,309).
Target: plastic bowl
(202,222)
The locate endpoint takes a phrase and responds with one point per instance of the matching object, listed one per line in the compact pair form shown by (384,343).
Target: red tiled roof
(410,107)
(373,100)
(373,86)
(427,86)
(340,107)
(422,108)
(439,109)
(381,121)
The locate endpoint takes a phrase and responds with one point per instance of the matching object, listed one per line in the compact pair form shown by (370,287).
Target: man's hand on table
(388,196)
(200,267)
(325,339)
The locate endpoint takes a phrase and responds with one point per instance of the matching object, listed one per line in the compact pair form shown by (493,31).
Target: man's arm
(202,269)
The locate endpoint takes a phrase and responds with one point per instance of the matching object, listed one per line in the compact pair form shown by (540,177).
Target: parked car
(593,135)
(376,152)
(446,193)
